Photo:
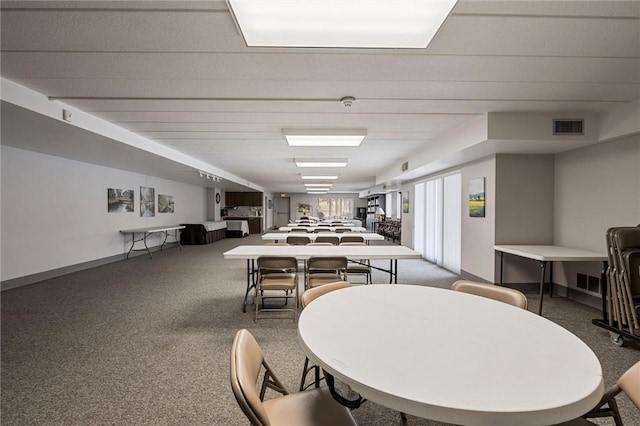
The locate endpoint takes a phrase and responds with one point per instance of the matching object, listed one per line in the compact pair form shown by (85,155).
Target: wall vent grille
(568,127)
(588,283)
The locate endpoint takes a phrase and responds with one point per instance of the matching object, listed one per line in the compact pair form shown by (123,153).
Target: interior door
(282,211)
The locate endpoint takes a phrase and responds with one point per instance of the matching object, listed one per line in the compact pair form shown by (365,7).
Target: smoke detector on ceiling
(347,101)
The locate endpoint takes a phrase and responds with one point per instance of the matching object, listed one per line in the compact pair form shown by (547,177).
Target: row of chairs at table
(320,228)
(316,405)
(277,278)
(331,239)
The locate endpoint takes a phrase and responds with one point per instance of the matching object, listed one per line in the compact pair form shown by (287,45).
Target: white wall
(596,188)
(478,233)
(524,199)
(213,207)
(524,210)
(54,211)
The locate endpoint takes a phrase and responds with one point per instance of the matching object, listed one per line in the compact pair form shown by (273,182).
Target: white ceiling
(178,73)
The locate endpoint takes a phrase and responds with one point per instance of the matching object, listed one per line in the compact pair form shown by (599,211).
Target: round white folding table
(451,356)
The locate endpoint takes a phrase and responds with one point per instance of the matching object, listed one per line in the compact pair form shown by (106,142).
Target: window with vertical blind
(336,207)
(438,220)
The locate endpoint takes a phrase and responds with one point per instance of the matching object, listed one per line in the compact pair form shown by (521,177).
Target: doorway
(282,211)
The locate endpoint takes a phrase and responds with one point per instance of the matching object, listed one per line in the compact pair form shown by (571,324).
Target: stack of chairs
(623,276)
(390,229)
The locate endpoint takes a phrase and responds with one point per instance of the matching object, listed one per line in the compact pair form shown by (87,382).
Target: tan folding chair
(298,240)
(492,291)
(352,239)
(629,383)
(277,279)
(314,407)
(342,230)
(325,269)
(307,297)
(359,266)
(299,229)
(335,240)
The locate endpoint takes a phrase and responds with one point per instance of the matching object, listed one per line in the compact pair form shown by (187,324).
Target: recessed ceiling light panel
(324,137)
(320,162)
(319,177)
(340,23)
(316,185)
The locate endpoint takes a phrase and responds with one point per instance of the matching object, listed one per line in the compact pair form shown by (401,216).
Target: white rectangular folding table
(547,255)
(282,236)
(252,252)
(451,356)
(145,232)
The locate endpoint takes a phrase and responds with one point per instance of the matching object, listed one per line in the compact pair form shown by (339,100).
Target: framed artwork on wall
(119,200)
(405,202)
(166,204)
(476,197)
(147,201)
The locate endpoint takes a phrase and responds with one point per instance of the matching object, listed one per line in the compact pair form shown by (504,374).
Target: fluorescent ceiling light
(324,137)
(340,23)
(324,162)
(317,192)
(319,177)
(309,185)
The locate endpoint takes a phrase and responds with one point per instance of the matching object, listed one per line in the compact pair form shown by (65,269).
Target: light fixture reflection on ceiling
(321,162)
(340,23)
(319,177)
(324,137)
(214,178)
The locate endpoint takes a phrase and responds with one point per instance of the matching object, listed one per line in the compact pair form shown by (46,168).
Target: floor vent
(568,127)
(588,282)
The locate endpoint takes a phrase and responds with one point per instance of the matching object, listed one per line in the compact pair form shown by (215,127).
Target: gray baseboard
(41,276)
(468,276)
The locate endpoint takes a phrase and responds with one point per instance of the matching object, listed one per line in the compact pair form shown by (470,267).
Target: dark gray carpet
(147,342)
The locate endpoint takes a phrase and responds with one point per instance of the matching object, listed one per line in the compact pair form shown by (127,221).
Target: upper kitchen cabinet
(251,199)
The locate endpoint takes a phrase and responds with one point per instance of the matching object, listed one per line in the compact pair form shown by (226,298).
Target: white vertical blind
(437,219)
(433,221)
(452,222)
(419,218)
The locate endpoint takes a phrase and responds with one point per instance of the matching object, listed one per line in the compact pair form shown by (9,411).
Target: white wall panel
(54,211)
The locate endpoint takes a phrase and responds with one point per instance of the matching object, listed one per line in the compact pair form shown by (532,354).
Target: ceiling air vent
(405,166)
(568,127)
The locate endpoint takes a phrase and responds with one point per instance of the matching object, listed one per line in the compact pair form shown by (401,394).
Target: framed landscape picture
(405,202)
(119,200)
(166,203)
(147,201)
(476,197)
